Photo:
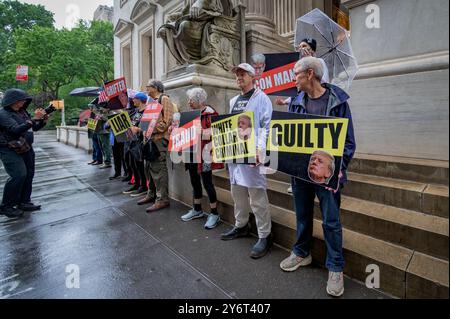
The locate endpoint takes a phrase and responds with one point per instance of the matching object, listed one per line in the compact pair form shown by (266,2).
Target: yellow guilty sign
(306,136)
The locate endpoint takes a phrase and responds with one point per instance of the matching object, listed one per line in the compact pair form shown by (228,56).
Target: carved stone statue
(204,32)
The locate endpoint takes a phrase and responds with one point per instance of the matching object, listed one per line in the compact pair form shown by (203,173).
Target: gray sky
(68,11)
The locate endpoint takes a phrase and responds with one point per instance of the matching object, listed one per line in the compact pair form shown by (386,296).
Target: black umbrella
(85,92)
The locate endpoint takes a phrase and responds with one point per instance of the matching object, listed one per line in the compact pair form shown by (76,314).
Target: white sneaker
(191,215)
(294,262)
(289,190)
(212,221)
(335,285)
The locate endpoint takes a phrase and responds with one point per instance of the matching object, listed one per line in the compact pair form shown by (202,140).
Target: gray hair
(197,95)
(258,58)
(310,63)
(157,85)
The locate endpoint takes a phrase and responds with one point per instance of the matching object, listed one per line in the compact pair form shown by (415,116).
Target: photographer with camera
(16,150)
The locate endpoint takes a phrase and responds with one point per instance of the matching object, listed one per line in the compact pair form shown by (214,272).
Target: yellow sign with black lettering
(233,137)
(120,123)
(92,124)
(306,136)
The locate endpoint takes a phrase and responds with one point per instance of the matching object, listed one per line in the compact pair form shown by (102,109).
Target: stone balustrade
(75,136)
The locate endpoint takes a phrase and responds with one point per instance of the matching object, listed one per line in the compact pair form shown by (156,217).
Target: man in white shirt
(248,184)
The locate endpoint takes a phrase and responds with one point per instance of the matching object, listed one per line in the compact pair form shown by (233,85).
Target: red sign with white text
(22,73)
(114,88)
(278,79)
(185,137)
(150,118)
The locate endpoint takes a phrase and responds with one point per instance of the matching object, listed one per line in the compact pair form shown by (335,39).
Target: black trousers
(138,171)
(19,185)
(196,181)
(128,163)
(119,158)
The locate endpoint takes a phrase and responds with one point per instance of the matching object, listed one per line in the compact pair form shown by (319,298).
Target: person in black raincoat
(16,124)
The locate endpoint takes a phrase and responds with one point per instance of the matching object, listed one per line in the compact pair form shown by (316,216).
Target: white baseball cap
(246,67)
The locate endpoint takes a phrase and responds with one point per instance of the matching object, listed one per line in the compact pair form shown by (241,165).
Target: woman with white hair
(202,172)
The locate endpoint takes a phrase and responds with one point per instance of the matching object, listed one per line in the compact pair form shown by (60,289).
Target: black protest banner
(308,147)
(278,77)
(234,138)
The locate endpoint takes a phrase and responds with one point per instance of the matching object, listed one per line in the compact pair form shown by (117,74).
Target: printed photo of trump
(321,167)
(244,127)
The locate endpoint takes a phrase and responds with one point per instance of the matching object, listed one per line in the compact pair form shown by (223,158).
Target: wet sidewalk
(90,241)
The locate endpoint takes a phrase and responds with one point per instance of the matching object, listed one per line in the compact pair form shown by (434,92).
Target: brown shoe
(146,200)
(158,206)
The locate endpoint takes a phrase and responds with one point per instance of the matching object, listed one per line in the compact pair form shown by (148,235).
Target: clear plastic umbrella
(333,46)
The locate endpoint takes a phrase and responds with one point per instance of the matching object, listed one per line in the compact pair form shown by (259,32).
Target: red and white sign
(150,118)
(22,73)
(114,88)
(279,79)
(185,137)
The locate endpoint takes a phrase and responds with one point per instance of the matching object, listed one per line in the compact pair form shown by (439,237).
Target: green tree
(55,57)
(100,51)
(15,15)
(60,61)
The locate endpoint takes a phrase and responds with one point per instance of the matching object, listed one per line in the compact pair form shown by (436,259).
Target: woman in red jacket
(202,172)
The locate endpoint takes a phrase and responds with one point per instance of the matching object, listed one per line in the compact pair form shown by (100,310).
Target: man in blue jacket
(16,124)
(322,100)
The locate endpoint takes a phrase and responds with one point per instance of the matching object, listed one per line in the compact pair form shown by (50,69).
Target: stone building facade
(140,55)
(104,13)
(399,98)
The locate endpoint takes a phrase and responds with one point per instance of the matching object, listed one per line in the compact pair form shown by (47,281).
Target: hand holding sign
(135,130)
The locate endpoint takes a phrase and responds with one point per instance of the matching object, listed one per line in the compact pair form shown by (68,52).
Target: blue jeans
(97,150)
(330,203)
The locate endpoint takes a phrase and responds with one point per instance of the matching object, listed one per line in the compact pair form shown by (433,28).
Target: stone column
(262,36)
(260,12)
(286,13)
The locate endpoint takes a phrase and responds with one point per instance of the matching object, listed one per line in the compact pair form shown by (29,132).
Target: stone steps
(417,170)
(427,198)
(404,273)
(414,230)
(409,246)
(432,199)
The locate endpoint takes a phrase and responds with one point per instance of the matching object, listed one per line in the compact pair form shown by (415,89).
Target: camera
(50,109)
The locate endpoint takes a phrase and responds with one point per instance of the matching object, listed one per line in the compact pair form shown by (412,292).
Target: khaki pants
(158,172)
(256,200)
